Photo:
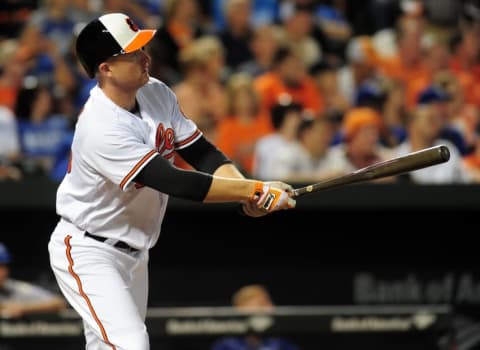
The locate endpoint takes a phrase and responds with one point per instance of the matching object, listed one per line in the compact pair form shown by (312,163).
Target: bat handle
(299,191)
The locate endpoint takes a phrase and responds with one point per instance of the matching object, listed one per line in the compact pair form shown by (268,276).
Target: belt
(117,244)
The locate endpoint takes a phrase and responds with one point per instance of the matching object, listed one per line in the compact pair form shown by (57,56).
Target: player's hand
(249,208)
(273,196)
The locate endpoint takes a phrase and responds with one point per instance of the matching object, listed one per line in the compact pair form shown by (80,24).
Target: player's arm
(203,155)
(200,186)
(206,157)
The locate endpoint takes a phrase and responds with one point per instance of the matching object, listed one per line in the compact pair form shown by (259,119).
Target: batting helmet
(109,35)
(4,254)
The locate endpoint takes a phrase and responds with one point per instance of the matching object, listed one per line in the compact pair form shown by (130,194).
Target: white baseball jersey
(110,147)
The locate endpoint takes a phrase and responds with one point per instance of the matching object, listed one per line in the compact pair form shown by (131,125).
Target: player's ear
(104,68)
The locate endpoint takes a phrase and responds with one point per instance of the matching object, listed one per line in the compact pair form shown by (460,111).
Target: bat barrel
(444,153)
(396,166)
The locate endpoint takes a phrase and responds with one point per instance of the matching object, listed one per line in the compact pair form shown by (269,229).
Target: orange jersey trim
(188,139)
(136,167)
(82,293)
(170,155)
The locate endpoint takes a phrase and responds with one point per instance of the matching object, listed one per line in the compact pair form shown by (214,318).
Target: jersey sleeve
(120,154)
(186,131)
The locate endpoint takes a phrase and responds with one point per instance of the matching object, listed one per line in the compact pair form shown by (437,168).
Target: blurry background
(293,90)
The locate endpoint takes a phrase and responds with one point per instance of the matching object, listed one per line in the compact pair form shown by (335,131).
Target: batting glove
(273,196)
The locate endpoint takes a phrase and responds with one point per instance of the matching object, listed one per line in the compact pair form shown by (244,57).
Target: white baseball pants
(108,288)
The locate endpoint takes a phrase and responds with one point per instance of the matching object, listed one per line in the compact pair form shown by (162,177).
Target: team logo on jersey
(165,141)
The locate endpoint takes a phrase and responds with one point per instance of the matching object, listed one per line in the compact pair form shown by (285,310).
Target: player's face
(130,70)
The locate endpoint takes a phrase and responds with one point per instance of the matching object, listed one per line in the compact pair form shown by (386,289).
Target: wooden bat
(395,166)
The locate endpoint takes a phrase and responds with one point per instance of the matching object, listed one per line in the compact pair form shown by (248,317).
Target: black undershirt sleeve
(203,156)
(166,178)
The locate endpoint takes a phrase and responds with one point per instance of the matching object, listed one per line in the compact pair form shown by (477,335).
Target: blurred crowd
(20,298)
(295,90)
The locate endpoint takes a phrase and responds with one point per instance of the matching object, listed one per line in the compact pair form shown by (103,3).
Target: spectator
(41,132)
(19,298)
(438,99)
(332,29)
(395,113)
(44,60)
(286,118)
(253,298)
(12,70)
(263,12)
(83,83)
(407,64)
(9,146)
(424,129)
(326,78)
(371,93)
(244,124)
(358,69)
(387,97)
(308,159)
(263,45)
(465,62)
(180,29)
(462,117)
(201,95)
(297,22)
(436,61)
(237,34)
(361,128)
(55,20)
(289,77)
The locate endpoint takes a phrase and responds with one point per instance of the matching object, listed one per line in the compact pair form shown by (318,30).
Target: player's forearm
(162,176)
(231,190)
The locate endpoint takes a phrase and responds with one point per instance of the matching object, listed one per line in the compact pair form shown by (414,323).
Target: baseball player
(113,198)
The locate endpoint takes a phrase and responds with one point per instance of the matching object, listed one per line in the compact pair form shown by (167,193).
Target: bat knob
(444,153)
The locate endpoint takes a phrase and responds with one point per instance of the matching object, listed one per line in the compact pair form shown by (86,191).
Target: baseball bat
(395,166)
